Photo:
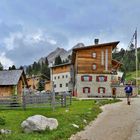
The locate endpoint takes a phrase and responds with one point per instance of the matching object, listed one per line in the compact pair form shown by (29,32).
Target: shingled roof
(10,77)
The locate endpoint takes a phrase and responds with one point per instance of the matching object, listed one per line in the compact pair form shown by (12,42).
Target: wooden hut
(12,82)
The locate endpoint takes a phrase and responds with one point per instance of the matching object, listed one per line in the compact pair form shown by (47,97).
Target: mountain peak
(57,52)
(79,45)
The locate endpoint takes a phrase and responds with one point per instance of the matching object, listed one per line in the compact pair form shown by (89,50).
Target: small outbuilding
(12,82)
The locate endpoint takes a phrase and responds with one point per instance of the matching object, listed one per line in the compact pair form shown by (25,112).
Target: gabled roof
(37,76)
(10,77)
(65,64)
(112,44)
(116,64)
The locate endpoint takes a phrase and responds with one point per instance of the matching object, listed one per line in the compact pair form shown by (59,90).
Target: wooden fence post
(53,100)
(65,102)
(70,98)
(61,100)
(24,100)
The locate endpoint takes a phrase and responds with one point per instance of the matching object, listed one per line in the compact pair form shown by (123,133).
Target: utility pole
(136,54)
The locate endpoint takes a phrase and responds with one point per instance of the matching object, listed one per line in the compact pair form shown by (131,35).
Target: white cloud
(51,41)
(23,48)
(9,42)
(6,62)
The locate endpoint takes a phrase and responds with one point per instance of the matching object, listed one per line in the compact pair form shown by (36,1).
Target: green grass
(78,111)
(132,75)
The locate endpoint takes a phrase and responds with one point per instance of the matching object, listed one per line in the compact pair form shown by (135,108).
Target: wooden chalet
(48,87)
(33,82)
(93,67)
(12,82)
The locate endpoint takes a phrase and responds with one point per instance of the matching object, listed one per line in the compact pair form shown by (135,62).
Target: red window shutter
(105,78)
(83,90)
(90,78)
(82,78)
(103,90)
(97,78)
(88,90)
(98,90)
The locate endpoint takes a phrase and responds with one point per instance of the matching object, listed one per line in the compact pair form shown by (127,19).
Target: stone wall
(120,91)
(94,85)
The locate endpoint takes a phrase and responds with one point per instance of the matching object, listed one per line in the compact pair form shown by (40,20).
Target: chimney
(96,41)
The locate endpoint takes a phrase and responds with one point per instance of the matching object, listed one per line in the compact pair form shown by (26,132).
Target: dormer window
(94,54)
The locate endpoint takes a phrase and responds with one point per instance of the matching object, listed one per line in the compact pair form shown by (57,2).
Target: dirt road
(118,121)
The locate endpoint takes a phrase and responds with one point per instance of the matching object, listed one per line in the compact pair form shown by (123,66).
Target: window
(55,77)
(54,85)
(101,78)
(101,90)
(66,84)
(60,85)
(86,90)
(58,77)
(66,76)
(94,66)
(86,78)
(62,76)
(94,54)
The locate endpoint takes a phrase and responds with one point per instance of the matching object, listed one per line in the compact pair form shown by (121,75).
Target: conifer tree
(1,66)
(58,60)
(41,85)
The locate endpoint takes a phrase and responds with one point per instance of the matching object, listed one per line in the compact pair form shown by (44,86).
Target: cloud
(6,29)
(6,62)
(29,30)
(24,48)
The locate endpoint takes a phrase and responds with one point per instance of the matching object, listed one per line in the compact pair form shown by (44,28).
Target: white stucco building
(61,77)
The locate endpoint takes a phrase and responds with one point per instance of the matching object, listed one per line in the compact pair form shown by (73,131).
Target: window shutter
(105,78)
(90,78)
(97,78)
(88,90)
(104,90)
(82,78)
(83,90)
(98,90)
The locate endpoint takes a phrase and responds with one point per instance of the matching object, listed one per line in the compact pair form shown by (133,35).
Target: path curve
(118,121)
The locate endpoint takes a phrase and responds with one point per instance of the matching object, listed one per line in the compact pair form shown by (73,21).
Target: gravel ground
(118,121)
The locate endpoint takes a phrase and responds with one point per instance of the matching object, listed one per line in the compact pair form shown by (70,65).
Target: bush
(2,121)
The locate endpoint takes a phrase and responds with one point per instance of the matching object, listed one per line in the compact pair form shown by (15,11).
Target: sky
(31,29)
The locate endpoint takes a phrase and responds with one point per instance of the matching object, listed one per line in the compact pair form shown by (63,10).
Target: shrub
(2,121)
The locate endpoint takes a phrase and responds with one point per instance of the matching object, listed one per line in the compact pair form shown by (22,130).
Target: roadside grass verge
(77,113)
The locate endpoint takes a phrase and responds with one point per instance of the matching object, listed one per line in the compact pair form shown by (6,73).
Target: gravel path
(118,121)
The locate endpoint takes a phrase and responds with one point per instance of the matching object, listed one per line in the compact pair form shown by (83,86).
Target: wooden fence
(35,101)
